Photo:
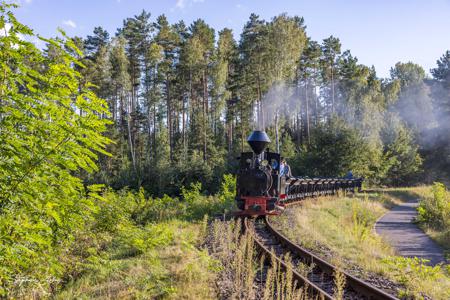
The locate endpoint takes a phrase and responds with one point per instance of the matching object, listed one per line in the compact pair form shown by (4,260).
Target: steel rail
(360,286)
(312,289)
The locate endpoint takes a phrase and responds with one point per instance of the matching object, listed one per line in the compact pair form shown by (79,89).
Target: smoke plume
(279,100)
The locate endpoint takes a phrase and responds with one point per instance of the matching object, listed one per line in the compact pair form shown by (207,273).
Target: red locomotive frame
(257,206)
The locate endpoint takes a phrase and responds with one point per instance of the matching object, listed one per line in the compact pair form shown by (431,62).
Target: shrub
(434,210)
(412,270)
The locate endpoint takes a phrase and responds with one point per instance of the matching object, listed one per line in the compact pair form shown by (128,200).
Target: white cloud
(70,23)
(182,4)
(22,2)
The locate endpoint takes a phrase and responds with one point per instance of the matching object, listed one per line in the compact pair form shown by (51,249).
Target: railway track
(310,271)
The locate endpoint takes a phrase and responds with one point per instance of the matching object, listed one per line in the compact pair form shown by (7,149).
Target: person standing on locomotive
(285,169)
(282,167)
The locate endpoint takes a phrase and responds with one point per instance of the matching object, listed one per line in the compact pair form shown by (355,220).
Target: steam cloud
(280,99)
(421,108)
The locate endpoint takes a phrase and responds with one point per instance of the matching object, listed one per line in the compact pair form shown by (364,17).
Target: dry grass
(175,271)
(242,269)
(344,228)
(339,282)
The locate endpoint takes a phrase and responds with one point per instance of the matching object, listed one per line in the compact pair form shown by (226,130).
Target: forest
(94,129)
(182,99)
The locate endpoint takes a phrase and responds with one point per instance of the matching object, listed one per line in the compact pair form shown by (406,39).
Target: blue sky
(379,33)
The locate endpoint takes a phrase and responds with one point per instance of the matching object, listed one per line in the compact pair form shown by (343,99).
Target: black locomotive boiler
(261,190)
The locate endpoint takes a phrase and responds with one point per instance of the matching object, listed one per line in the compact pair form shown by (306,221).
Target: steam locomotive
(261,190)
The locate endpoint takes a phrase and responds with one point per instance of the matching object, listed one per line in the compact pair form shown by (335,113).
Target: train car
(261,190)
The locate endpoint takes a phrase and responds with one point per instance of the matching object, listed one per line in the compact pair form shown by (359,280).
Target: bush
(434,210)
(335,149)
(123,224)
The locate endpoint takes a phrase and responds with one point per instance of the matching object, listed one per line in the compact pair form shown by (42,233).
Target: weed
(342,228)
(339,283)
(434,208)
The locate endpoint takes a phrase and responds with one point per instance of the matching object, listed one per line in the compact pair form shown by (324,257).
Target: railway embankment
(340,230)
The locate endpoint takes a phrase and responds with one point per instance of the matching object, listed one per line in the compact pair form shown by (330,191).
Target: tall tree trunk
(183,127)
(154,113)
(205,103)
(122,109)
(155,150)
(149,115)
(230,135)
(130,139)
(169,117)
(242,129)
(298,128)
(307,113)
(332,90)
(114,108)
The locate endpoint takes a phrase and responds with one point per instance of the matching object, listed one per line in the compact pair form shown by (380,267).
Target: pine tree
(136,32)
(223,82)
(331,48)
(169,41)
(94,43)
(308,79)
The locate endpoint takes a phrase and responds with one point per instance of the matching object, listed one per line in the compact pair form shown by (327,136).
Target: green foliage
(192,205)
(412,269)
(198,205)
(363,220)
(336,149)
(401,157)
(156,260)
(178,107)
(183,99)
(228,189)
(51,126)
(124,225)
(434,210)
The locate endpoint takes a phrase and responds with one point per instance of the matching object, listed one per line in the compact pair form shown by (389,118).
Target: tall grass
(242,268)
(135,245)
(340,229)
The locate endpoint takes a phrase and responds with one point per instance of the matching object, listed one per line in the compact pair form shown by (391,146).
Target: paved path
(397,228)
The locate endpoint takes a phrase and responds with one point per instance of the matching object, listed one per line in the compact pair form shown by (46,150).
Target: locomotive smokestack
(258,140)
